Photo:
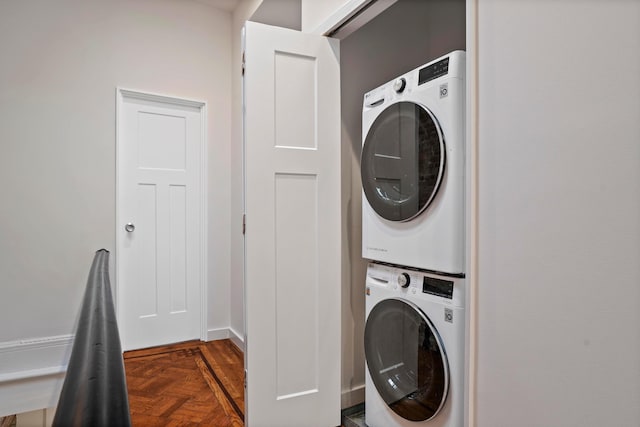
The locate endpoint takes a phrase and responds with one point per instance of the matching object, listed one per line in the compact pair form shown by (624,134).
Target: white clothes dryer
(412,168)
(414,348)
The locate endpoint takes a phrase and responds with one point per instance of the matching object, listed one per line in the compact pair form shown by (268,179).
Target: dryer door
(403,161)
(406,359)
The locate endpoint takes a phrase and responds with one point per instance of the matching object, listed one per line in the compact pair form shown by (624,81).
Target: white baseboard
(39,418)
(217,334)
(226,333)
(352,397)
(237,339)
(32,372)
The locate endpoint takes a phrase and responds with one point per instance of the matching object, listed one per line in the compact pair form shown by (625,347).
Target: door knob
(129,227)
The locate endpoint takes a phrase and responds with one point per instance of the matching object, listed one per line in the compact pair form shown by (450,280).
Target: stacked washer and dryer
(413,231)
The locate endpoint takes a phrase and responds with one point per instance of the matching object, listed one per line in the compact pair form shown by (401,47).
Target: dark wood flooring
(186,384)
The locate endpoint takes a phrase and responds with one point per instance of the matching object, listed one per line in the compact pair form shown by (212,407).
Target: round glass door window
(403,161)
(406,360)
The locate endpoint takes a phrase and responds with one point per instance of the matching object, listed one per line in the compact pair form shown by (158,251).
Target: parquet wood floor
(186,384)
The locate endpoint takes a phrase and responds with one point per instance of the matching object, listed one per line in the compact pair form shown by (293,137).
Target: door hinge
(243,63)
(244,224)
(245,379)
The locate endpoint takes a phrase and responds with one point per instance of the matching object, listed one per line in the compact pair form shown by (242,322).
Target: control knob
(399,84)
(404,280)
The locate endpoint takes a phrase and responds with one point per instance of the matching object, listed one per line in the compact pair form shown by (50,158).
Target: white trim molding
(32,372)
(165,99)
(34,357)
(472,138)
(351,16)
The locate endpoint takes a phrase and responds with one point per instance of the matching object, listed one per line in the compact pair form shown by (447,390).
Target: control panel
(407,282)
(433,71)
(439,287)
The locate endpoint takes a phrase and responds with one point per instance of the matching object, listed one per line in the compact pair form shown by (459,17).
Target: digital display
(439,287)
(433,71)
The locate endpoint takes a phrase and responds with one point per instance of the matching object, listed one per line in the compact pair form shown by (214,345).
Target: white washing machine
(414,348)
(412,168)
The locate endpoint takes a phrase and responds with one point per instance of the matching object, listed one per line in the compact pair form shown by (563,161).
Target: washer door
(403,161)
(406,359)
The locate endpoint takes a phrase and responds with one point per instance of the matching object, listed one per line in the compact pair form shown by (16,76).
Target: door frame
(331,27)
(121,94)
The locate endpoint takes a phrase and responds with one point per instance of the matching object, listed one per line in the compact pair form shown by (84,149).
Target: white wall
(371,57)
(60,64)
(559,214)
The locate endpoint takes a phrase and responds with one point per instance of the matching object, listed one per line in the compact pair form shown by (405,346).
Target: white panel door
(159,232)
(292,241)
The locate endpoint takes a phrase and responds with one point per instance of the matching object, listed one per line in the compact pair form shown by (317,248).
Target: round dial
(399,84)
(404,280)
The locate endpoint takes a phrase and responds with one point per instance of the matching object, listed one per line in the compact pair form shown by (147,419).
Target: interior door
(292,240)
(159,226)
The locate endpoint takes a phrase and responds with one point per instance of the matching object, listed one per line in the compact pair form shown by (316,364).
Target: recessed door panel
(295,100)
(297,311)
(162,141)
(178,248)
(146,254)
